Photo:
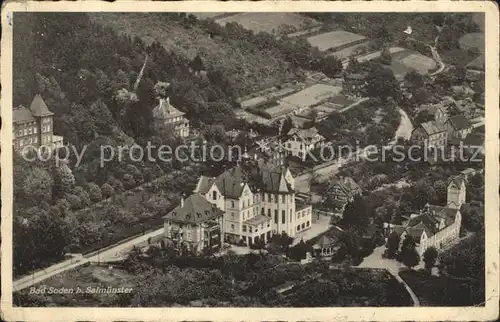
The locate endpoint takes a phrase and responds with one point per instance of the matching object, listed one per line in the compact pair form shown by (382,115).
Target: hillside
(248,68)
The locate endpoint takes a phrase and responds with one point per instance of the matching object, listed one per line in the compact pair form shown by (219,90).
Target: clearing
(269,22)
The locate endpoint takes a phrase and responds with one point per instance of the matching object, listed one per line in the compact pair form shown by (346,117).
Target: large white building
(256,204)
(436,226)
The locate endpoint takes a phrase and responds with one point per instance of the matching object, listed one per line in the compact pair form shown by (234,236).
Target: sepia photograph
(261,158)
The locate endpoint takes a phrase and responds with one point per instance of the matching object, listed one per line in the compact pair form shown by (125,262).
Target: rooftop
(194,210)
(432,127)
(459,122)
(164,110)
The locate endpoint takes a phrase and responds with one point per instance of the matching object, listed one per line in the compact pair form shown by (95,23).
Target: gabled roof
(195,210)
(164,110)
(204,184)
(273,180)
(38,107)
(474,139)
(457,180)
(433,108)
(448,214)
(432,127)
(231,182)
(304,134)
(459,122)
(347,184)
(21,114)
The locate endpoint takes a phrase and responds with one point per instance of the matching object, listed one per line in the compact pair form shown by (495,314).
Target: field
(345,53)
(475,39)
(404,61)
(269,21)
(334,39)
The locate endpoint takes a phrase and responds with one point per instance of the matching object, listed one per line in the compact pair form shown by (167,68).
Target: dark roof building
(194,210)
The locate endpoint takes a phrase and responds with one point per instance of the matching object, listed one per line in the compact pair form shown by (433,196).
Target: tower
(456,193)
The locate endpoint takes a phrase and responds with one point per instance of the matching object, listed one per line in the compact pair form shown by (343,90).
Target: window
(243,215)
(250,229)
(244,229)
(243,203)
(307,223)
(232,226)
(298,215)
(20,133)
(289,145)
(283,198)
(298,227)
(232,215)
(276,216)
(214,195)
(283,216)
(262,212)
(291,215)
(268,212)
(232,204)
(302,226)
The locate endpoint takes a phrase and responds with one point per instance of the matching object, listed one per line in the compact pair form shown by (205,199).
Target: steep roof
(273,180)
(432,127)
(204,184)
(231,182)
(457,180)
(21,114)
(165,110)
(38,107)
(195,210)
(304,134)
(448,214)
(347,184)
(459,122)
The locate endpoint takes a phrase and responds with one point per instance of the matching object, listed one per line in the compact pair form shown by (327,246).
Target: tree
(413,80)
(356,214)
(353,67)
(385,56)
(64,179)
(197,64)
(429,257)
(161,89)
(95,193)
(331,66)
(107,190)
(409,255)
(37,186)
(392,245)
(382,84)
(287,125)
(74,201)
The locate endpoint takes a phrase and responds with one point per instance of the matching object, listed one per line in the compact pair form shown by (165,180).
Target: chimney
(182,201)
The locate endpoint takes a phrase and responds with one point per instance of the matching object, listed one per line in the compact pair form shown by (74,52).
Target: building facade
(256,205)
(458,127)
(430,134)
(195,224)
(34,126)
(300,141)
(342,190)
(166,114)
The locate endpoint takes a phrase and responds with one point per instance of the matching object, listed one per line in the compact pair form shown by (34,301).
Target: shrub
(95,193)
(74,201)
(107,190)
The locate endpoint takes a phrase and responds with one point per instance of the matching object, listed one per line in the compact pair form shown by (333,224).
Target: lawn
(269,21)
(334,39)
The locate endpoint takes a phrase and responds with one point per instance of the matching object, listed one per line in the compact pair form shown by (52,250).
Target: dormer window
(214,195)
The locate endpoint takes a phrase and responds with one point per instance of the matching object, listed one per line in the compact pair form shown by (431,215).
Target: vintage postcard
(249,161)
